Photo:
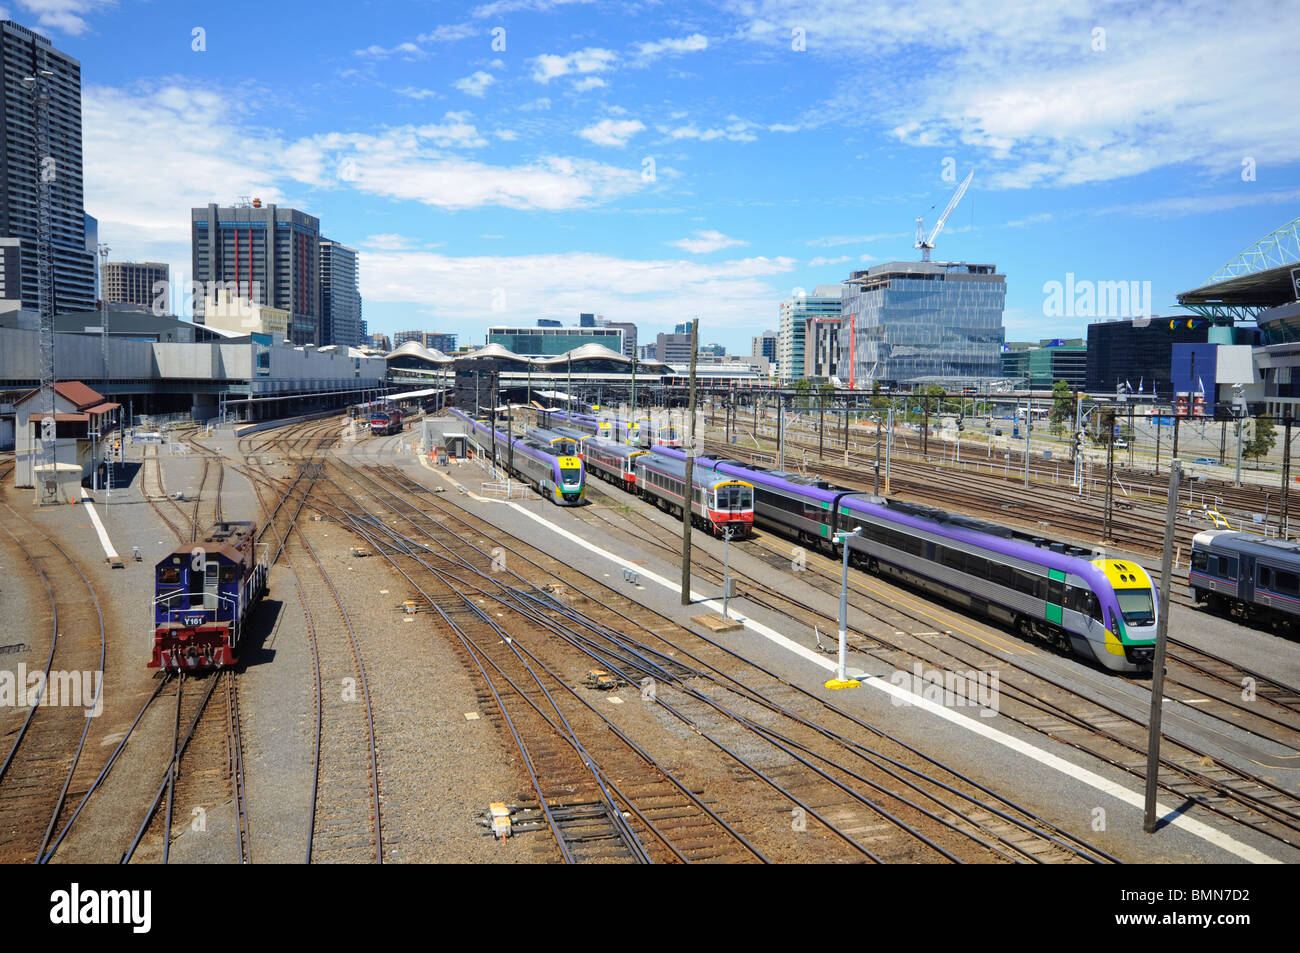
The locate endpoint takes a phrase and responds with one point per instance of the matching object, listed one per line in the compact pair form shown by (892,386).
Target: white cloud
(738,130)
(67,16)
(819,261)
(475,84)
(145,167)
(732,294)
(415,92)
(505,135)
(447,33)
(612,132)
(1198,204)
(379,52)
(831,241)
(705,242)
(513,6)
(414,49)
(588,82)
(1037,219)
(1038,98)
(591,60)
(670,46)
(388,241)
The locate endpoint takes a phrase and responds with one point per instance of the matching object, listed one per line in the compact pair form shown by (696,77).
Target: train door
(1245,578)
(1055,595)
(211,575)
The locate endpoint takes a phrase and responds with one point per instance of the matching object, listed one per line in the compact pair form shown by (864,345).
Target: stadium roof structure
(1259,278)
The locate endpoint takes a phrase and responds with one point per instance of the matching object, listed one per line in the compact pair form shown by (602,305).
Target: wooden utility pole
(688,493)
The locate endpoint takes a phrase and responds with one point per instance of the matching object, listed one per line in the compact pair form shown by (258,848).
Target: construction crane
(927,244)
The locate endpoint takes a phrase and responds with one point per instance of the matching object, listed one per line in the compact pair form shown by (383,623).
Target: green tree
(803,387)
(825,391)
(878,401)
(1062,406)
(1262,440)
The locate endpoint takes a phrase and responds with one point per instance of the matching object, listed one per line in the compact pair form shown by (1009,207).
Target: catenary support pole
(1158,663)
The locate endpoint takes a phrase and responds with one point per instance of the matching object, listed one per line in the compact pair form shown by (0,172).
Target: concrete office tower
(340,295)
(22,54)
(267,254)
(134,282)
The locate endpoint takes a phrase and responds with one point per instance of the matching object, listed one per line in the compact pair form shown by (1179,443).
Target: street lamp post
(841,679)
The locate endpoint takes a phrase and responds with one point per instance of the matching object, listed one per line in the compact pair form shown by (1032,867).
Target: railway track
(1044,700)
(345,761)
(47,747)
(836,782)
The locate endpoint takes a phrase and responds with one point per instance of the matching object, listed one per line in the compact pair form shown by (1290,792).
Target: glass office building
(546,342)
(922,321)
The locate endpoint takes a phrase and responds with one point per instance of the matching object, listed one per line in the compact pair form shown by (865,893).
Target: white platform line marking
(1045,758)
(104,541)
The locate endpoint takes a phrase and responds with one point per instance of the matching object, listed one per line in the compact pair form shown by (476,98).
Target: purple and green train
(1102,608)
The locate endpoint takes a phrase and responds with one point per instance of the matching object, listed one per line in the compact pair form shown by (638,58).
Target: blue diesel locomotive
(203,596)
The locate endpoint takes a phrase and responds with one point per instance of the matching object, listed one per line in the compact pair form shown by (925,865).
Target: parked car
(1206,461)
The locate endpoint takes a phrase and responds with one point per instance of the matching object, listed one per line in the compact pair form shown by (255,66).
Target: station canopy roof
(583,357)
(1258,290)
(414,349)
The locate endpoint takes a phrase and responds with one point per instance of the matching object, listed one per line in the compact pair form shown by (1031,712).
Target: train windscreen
(735,497)
(1136,605)
(570,472)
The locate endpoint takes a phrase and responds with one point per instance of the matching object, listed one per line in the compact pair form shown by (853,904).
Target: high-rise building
(910,321)
(340,295)
(267,254)
(24,54)
(629,336)
(439,341)
(552,341)
(401,337)
(764,346)
(821,349)
(1138,352)
(549,323)
(380,342)
(586,320)
(674,348)
(134,282)
(796,314)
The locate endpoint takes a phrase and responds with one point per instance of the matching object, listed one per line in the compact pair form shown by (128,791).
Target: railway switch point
(500,816)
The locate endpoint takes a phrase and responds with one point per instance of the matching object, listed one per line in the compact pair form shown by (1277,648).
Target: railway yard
(441,656)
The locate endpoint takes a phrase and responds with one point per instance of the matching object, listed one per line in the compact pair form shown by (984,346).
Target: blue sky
(500,162)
